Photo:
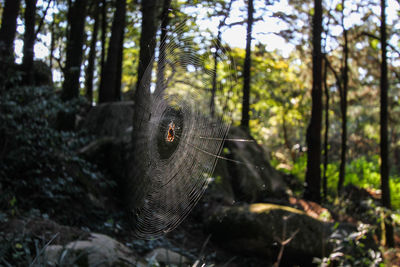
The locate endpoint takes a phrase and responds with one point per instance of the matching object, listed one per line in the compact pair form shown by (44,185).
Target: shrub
(39,165)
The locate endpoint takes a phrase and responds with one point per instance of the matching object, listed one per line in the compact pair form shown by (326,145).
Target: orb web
(177,139)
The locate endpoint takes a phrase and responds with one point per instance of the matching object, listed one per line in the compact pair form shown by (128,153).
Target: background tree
(246,68)
(92,51)
(164,18)
(313,174)
(343,102)
(29,40)
(110,85)
(76,22)
(7,36)
(147,38)
(384,128)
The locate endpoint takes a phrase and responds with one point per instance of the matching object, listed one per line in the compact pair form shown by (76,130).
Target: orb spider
(171,132)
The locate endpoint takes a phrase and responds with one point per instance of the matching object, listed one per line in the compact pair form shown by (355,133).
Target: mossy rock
(259,229)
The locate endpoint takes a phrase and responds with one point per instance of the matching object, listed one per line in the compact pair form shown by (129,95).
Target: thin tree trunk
(103,35)
(147,41)
(286,137)
(92,56)
(52,42)
(384,129)
(8,30)
(326,134)
(313,173)
(246,69)
(161,50)
(343,105)
(109,80)
(214,73)
(29,40)
(120,57)
(74,50)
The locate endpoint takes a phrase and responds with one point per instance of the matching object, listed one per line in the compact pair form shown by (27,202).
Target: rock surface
(166,256)
(260,229)
(112,119)
(98,250)
(251,177)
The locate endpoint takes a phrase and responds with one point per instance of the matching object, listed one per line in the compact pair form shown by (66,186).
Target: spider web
(171,176)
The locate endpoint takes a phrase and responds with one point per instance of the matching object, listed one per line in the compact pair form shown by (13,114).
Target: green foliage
(350,249)
(362,172)
(39,165)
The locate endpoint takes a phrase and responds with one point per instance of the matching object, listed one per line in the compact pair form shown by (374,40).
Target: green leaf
(374,44)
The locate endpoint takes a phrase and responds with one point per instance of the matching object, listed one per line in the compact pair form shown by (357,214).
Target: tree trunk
(326,134)
(92,55)
(147,42)
(103,35)
(109,79)
(343,107)
(214,73)
(246,69)
(161,50)
(7,35)
(313,174)
(52,42)
(8,29)
(384,129)
(73,63)
(29,40)
(142,97)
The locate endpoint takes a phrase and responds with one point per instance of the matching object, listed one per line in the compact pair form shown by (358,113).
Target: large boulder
(250,176)
(261,229)
(113,119)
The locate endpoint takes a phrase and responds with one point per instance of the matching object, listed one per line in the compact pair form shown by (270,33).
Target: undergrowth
(363,172)
(39,165)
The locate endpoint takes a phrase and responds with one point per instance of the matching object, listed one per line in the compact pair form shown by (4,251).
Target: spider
(171,132)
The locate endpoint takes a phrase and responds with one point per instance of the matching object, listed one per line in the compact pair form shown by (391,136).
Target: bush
(38,163)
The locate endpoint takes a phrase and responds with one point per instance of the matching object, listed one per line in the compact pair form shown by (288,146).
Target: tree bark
(313,173)
(73,63)
(326,133)
(103,35)
(52,42)
(92,55)
(343,106)
(147,42)
(384,145)
(246,69)
(161,50)
(8,28)
(29,40)
(111,76)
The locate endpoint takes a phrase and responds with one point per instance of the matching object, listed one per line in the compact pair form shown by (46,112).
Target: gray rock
(251,177)
(112,119)
(260,229)
(98,250)
(166,256)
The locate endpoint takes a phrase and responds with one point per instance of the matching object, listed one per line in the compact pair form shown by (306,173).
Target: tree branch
(42,19)
(377,38)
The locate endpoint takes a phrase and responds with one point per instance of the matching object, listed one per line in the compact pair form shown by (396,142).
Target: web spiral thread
(170,176)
